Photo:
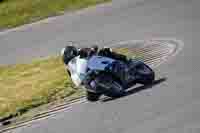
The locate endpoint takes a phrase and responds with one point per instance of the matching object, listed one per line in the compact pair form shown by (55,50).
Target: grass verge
(17,12)
(25,86)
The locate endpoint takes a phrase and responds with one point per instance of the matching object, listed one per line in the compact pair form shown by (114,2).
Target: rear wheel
(144,74)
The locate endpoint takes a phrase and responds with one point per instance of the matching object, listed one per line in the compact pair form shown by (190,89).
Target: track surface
(172,106)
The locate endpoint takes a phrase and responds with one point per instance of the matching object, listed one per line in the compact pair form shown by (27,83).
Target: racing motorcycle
(102,75)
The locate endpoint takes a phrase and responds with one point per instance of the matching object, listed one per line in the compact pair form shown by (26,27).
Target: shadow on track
(136,90)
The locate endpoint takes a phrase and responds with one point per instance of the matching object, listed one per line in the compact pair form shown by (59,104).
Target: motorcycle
(106,76)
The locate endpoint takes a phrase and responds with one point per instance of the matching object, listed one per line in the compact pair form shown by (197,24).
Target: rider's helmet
(68,53)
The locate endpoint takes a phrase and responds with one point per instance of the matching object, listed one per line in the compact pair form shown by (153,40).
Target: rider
(70,52)
(108,52)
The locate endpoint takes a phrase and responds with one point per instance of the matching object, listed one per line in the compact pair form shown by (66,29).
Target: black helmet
(68,53)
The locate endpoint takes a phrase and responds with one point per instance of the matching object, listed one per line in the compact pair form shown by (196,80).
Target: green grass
(130,53)
(18,12)
(26,86)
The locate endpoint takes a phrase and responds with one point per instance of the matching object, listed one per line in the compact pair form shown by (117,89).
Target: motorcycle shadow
(136,90)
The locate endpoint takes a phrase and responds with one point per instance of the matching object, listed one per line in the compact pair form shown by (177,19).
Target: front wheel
(144,74)
(109,85)
(105,84)
(116,90)
(93,97)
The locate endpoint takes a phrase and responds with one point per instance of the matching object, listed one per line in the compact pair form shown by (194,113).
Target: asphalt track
(172,106)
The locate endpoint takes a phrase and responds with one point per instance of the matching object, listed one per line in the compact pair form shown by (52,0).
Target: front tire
(92,97)
(144,74)
(116,90)
(110,86)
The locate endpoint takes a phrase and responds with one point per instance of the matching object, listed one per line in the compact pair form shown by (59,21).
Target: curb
(44,114)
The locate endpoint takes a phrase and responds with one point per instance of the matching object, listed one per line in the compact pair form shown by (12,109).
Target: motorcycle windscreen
(99,63)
